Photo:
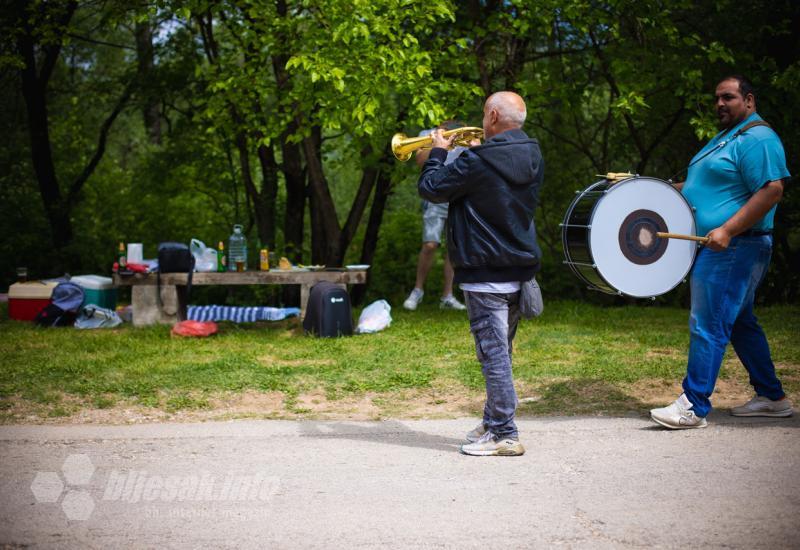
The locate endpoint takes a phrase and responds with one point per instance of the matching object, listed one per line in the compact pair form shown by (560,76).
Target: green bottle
(221,258)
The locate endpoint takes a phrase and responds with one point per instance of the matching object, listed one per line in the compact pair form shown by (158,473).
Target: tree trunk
(360,201)
(293,226)
(293,222)
(34,92)
(264,201)
(325,231)
(383,190)
(151,111)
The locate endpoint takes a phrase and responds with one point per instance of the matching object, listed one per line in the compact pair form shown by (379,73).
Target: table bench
(148,310)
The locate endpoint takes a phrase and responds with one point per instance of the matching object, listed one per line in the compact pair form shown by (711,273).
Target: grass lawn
(575,359)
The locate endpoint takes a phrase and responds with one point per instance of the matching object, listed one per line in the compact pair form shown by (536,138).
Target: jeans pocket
(487,339)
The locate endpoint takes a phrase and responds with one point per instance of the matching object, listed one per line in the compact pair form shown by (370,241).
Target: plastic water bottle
(237,250)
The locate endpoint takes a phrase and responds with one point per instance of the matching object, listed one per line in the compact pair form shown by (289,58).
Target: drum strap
(723,143)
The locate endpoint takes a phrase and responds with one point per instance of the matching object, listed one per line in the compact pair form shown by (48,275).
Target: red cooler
(26,300)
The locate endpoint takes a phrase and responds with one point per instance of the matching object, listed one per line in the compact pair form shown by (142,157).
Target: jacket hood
(513,155)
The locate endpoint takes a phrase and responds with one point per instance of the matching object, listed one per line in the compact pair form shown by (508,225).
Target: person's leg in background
(752,348)
(449,301)
(427,255)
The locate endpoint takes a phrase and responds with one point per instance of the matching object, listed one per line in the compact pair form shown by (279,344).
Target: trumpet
(403,146)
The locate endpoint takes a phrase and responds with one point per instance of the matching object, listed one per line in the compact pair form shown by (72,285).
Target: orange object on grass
(195,328)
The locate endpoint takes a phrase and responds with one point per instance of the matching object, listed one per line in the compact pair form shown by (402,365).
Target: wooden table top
(274,276)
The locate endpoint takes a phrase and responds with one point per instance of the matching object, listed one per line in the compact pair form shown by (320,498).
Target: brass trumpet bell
(403,146)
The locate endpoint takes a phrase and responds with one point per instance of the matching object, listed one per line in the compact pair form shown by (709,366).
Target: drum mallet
(703,240)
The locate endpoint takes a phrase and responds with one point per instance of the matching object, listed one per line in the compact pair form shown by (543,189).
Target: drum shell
(575,236)
(615,208)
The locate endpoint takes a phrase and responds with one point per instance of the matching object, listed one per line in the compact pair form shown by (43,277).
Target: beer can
(264,260)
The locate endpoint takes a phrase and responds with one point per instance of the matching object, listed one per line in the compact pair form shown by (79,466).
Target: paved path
(584,483)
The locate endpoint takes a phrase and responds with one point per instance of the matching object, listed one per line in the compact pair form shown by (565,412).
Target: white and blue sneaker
(450,302)
(413,299)
(490,445)
(678,415)
(475,434)
(764,406)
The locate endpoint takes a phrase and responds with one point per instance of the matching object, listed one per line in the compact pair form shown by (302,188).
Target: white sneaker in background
(488,445)
(450,302)
(764,406)
(678,415)
(476,434)
(413,299)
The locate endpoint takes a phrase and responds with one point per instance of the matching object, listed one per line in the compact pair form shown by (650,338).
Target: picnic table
(148,309)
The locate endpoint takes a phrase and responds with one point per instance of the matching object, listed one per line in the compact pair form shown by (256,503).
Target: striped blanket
(240,314)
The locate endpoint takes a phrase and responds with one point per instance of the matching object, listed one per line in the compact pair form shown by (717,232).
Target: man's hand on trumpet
(438,140)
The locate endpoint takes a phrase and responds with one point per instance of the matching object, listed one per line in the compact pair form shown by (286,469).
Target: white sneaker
(450,302)
(764,406)
(413,299)
(488,445)
(678,415)
(476,434)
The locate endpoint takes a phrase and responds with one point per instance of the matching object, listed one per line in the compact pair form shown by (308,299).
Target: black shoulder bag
(175,258)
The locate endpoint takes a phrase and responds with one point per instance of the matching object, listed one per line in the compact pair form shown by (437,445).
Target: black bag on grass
(328,313)
(175,258)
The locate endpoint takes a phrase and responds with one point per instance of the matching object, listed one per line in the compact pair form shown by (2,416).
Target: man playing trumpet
(493,191)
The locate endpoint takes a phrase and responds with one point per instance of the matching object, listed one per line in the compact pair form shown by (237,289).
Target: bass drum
(610,242)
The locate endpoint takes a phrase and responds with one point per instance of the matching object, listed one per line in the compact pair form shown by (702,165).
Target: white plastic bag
(205,259)
(374,317)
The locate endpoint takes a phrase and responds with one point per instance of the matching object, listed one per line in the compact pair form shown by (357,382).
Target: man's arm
(754,209)
(439,183)
(421,156)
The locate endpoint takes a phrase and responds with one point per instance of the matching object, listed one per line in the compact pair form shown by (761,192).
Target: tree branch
(77,185)
(53,51)
(100,42)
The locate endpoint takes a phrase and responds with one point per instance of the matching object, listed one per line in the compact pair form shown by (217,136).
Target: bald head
(503,111)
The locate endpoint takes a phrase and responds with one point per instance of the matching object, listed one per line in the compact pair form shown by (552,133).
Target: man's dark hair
(745,86)
(451,124)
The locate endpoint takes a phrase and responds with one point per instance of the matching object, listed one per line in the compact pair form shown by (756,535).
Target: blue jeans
(493,320)
(723,288)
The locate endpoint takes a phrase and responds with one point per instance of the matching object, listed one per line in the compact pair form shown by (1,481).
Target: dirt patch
(445,399)
(658,393)
(663,352)
(413,404)
(272,361)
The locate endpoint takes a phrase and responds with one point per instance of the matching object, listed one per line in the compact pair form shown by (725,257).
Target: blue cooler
(98,290)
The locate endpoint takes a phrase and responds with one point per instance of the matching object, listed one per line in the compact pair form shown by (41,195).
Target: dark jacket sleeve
(440,183)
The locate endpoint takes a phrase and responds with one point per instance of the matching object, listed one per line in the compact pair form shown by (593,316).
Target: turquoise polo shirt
(721,183)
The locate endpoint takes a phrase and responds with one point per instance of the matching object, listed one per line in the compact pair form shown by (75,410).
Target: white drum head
(622,238)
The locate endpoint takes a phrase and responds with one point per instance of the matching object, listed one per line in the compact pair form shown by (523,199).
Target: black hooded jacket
(493,190)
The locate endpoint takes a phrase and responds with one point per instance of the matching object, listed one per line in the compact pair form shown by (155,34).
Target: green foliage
(396,257)
(610,87)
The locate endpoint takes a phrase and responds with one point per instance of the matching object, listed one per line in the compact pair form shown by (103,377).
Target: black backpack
(175,258)
(328,313)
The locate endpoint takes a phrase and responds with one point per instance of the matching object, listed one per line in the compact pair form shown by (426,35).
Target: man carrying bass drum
(734,183)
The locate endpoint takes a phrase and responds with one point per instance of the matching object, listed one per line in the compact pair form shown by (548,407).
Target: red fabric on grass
(194,328)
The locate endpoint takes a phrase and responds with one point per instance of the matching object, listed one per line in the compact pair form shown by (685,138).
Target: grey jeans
(493,320)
